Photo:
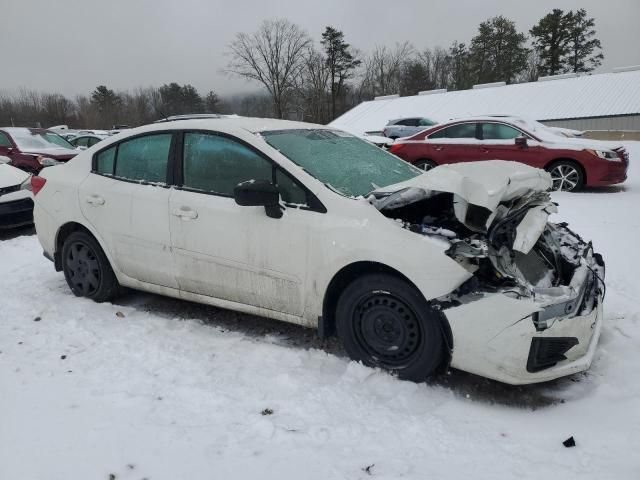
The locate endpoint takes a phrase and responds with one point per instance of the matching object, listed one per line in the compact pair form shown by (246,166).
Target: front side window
(217,164)
(347,164)
(463,130)
(144,158)
(499,131)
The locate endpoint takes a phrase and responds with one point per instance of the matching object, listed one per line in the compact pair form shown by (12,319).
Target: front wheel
(566,176)
(385,322)
(87,269)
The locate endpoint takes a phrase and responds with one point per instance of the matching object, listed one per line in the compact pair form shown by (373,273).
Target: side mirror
(4,159)
(259,193)
(521,141)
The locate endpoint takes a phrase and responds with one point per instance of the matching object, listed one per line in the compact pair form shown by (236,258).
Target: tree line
(318,81)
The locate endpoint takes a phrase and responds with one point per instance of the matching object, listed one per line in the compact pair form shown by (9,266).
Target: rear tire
(566,175)
(87,269)
(425,165)
(384,322)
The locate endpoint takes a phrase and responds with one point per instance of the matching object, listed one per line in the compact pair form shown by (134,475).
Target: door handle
(185,213)
(485,150)
(439,149)
(94,200)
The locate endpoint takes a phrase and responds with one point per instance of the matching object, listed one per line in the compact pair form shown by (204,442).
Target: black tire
(425,165)
(87,269)
(567,175)
(385,322)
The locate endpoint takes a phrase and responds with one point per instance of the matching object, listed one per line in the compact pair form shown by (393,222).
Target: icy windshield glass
(29,139)
(345,163)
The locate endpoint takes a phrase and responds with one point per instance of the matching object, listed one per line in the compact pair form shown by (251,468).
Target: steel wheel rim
(83,269)
(387,329)
(564,177)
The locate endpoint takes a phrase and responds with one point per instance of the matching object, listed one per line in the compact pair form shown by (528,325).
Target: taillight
(396,147)
(37,183)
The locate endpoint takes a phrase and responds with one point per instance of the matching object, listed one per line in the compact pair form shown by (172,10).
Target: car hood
(51,152)
(11,176)
(556,141)
(478,189)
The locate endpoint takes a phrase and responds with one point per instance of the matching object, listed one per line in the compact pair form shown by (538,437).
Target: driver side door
(231,252)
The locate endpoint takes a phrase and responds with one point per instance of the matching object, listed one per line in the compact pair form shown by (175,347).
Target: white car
(16,204)
(311,225)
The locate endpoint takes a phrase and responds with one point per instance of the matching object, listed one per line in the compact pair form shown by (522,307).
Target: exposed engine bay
(511,249)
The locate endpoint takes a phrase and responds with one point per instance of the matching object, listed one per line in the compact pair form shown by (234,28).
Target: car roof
(229,124)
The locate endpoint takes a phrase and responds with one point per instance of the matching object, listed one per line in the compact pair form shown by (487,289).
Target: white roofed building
(603,101)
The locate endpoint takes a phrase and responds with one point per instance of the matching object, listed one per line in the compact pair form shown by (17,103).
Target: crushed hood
(478,188)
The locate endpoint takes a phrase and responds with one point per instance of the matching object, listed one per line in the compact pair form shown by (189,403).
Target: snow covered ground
(157,388)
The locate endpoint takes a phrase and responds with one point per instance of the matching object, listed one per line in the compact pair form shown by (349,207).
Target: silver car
(405,127)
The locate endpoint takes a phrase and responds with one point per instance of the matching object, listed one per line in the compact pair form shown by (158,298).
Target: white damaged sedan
(303,223)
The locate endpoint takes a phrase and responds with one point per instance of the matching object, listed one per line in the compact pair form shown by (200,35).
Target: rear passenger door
(126,199)
(456,143)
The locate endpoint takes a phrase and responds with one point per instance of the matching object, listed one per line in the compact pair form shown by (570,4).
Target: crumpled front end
(532,310)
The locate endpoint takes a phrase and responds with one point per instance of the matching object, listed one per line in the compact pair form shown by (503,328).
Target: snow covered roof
(550,98)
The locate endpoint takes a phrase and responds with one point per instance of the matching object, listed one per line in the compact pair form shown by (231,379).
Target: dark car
(573,163)
(31,149)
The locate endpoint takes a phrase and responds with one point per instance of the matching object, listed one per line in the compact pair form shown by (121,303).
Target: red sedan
(31,149)
(572,162)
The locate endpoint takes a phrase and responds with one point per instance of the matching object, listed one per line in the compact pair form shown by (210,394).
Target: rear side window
(409,122)
(144,158)
(105,161)
(81,142)
(499,131)
(463,130)
(93,141)
(217,164)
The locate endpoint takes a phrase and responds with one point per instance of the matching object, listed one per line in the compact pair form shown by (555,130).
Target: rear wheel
(87,269)
(425,165)
(566,175)
(385,322)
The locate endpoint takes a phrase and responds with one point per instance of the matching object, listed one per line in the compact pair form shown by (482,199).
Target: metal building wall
(617,123)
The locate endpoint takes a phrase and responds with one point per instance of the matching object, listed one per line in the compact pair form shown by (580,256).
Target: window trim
(313,202)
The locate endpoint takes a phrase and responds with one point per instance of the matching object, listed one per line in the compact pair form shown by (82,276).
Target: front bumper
(498,336)
(607,173)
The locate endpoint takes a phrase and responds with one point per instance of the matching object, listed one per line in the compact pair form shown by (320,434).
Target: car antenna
(164,117)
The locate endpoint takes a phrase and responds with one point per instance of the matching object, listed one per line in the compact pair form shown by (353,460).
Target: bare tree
(384,66)
(273,56)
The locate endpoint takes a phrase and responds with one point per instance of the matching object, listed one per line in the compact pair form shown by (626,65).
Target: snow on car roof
(583,96)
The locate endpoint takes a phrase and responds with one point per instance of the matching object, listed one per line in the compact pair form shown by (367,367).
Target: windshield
(32,139)
(343,162)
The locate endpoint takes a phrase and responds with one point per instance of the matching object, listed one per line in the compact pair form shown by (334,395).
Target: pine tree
(551,41)
(340,61)
(498,53)
(459,66)
(585,52)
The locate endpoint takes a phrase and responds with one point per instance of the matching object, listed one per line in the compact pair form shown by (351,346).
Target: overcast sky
(71,46)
